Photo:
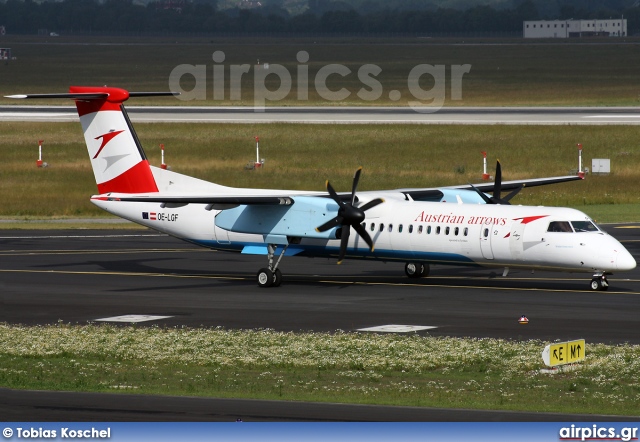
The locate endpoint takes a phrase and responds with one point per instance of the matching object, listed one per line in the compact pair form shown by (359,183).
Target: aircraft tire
(597,284)
(414,269)
(277,278)
(265,278)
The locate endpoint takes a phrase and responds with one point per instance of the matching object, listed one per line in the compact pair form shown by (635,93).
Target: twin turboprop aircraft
(452,225)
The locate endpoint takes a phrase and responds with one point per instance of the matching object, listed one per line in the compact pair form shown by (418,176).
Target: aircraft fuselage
(443,233)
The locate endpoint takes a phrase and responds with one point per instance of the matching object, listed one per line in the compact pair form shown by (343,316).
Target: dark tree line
(323,17)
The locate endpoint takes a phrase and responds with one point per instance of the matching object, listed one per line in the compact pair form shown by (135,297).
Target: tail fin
(118,161)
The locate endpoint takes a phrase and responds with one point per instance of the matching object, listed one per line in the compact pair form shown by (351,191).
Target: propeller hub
(352,215)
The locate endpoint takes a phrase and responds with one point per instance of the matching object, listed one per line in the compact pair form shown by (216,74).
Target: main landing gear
(416,270)
(271,276)
(599,282)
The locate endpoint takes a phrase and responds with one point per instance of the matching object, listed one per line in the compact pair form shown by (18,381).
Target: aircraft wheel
(413,269)
(277,278)
(265,278)
(598,284)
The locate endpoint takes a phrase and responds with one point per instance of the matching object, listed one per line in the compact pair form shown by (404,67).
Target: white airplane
(414,226)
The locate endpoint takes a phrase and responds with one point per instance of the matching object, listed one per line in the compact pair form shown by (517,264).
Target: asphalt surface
(336,115)
(49,406)
(80,276)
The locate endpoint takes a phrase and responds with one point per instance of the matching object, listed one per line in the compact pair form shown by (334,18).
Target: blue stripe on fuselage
(327,252)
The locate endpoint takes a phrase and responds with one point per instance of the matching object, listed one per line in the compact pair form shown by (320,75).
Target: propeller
(497,189)
(349,215)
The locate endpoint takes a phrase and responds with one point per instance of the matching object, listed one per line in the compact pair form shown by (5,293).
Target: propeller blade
(334,222)
(513,193)
(364,235)
(371,204)
(482,195)
(354,186)
(344,241)
(497,186)
(349,215)
(334,195)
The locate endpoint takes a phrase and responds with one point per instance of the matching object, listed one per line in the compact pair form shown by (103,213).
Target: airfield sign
(564,353)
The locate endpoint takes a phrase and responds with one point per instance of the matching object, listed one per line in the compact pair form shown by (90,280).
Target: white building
(613,27)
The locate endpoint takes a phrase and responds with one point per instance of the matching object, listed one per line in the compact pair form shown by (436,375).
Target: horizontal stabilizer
(91,95)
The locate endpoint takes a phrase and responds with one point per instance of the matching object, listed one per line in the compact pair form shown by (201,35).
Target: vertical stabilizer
(118,161)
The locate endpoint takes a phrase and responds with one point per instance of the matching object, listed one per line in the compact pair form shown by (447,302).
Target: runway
(342,115)
(85,276)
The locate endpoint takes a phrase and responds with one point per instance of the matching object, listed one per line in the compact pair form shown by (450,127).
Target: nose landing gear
(599,282)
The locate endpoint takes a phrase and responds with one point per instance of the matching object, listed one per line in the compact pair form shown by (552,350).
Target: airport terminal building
(613,27)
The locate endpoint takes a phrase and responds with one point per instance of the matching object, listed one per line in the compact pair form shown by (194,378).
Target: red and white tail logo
(118,161)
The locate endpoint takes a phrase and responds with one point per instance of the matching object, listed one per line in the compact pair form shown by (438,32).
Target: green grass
(503,72)
(303,156)
(340,367)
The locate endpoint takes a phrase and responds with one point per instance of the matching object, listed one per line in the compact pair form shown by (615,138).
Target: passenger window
(411,228)
(373,226)
(466,231)
(419,229)
(486,233)
(428,230)
(438,230)
(456,231)
(559,226)
(390,227)
(446,230)
(400,228)
(381,227)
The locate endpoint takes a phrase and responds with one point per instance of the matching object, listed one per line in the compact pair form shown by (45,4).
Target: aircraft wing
(223,200)
(432,193)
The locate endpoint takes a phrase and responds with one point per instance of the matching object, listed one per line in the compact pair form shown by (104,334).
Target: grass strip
(503,72)
(344,367)
(303,156)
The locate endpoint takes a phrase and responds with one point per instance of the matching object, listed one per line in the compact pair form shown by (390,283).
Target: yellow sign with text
(564,353)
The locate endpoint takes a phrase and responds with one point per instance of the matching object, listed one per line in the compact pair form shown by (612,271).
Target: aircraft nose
(625,260)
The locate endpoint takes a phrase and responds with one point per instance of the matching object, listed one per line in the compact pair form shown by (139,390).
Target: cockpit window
(559,226)
(584,226)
